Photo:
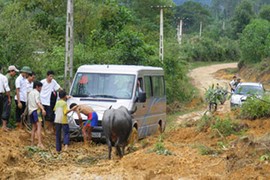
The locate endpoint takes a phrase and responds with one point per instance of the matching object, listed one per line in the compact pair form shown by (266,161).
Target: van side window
(148,86)
(158,86)
(140,84)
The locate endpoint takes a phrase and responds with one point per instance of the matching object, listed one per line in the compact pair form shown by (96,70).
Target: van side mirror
(141,97)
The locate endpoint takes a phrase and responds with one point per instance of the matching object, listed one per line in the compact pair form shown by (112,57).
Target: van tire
(133,139)
(159,130)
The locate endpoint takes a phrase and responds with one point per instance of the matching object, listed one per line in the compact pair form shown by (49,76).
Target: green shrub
(255,108)
(204,123)
(206,49)
(265,157)
(225,126)
(205,150)
(160,148)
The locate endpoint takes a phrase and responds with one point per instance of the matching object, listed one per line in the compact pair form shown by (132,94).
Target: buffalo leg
(123,150)
(109,148)
(119,152)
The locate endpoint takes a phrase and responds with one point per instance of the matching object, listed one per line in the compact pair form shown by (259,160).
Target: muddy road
(178,154)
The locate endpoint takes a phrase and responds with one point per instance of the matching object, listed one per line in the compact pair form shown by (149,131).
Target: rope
(24,118)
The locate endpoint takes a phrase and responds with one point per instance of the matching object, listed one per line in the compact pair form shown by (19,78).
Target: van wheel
(159,129)
(133,136)
(133,139)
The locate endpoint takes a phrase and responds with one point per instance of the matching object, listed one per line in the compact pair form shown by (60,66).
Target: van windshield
(98,85)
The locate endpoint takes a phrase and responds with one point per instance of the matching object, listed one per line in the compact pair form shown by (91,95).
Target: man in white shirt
(49,85)
(21,93)
(4,89)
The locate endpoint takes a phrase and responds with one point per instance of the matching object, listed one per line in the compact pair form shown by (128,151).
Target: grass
(159,147)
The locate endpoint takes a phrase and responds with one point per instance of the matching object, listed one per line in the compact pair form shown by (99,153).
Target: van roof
(127,69)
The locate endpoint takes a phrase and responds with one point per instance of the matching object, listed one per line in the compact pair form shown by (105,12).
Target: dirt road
(203,76)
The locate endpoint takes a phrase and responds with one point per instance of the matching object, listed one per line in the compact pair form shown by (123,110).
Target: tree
(18,39)
(192,13)
(253,41)
(224,9)
(265,12)
(242,17)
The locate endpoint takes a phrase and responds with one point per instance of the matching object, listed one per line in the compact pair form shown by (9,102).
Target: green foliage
(178,87)
(160,148)
(255,108)
(254,41)
(222,145)
(265,157)
(192,14)
(265,12)
(206,49)
(224,9)
(224,126)
(242,17)
(205,150)
(30,151)
(215,94)
(204,123)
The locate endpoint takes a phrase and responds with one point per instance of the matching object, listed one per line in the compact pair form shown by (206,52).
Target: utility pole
(69,46)
(161,47)
(200,28)
(180,29)
(223,25)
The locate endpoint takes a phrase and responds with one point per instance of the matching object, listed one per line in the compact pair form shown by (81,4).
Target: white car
(244,90)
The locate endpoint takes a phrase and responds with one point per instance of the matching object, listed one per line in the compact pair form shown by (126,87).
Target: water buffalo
(117,126)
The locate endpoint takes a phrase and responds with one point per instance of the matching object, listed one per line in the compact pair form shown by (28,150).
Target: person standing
(237,81)
(232,83)
(30,82)
(49,85)
(21,93)
(11,77)
(36,111)
(4,90)
(61,121)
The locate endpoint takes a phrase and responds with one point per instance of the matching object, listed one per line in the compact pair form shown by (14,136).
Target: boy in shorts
(36,111)
(87,126)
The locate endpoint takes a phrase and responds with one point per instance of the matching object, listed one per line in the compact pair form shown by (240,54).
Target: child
(92,120)
(61,121)
(35,109)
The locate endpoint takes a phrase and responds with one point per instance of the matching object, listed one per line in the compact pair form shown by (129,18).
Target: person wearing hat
(4,90)
(21,93)
(11,77)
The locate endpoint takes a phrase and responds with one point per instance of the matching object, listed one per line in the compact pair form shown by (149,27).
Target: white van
(135,87)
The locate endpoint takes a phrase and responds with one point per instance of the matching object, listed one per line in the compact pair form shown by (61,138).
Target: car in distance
(244,90)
